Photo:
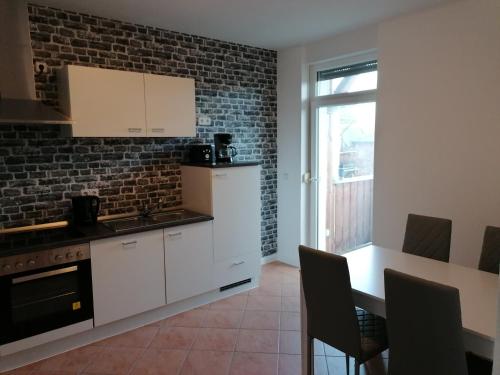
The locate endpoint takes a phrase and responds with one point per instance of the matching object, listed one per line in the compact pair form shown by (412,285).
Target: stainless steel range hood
(18,102)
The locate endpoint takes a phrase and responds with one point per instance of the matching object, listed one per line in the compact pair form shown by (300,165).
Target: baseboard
(269,258)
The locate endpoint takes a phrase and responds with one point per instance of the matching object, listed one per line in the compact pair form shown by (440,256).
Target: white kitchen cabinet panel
(189,260)
(128,275)
(103,102)
(170,106)
(236,211)
(236,269)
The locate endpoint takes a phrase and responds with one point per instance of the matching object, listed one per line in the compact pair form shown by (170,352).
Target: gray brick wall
(40,169)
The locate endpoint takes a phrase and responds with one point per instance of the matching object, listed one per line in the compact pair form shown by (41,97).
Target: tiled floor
(254,333)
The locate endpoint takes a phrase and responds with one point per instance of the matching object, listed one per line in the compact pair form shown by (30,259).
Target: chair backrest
(428,237)
(331,315)
(424,327)
(490,254)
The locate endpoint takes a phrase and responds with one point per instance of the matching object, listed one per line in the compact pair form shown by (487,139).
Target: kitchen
(159,167)
(53,169)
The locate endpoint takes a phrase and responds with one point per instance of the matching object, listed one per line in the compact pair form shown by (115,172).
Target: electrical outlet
(90,192)
(41,67)
(204,120)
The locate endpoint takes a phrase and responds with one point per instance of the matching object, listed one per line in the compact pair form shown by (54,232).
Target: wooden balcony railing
(349,215)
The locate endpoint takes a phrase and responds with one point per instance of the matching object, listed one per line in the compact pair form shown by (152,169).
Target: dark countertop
(26,242)
(223,165)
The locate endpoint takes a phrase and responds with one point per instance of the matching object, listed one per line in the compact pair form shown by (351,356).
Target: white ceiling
(264,23)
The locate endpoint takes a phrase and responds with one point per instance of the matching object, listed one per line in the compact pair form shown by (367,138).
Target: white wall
(437,147)
(290,113)
(293,144)
(438,124)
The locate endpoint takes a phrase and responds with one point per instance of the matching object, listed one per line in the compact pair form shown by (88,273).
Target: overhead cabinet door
(103,102)
(170,106)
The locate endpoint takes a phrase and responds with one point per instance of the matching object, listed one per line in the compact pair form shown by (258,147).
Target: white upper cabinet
(115,103)
(103,102)
(170,106)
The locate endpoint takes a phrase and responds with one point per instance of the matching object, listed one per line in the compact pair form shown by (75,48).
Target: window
(347,79)
(343,111)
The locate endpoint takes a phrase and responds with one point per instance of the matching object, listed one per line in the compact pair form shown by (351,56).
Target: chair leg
(347,364)
(310,355)
(357,365)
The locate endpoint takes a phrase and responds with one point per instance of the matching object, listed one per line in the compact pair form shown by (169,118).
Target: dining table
(478,292)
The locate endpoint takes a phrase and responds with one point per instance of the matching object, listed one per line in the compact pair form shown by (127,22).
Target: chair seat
(373,334)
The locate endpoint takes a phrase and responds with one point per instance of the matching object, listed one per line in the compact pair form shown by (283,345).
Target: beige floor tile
(206,362)
(216,339)
(257,341)
(114,361)
(254,364)
(223,318)
(289,364)
(267,303)
(138,338)
(254,319)
(159,362)
(290,342)
(181,338)
(289,321)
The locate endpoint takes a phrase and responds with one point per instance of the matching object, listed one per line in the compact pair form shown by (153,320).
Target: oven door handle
(43,275)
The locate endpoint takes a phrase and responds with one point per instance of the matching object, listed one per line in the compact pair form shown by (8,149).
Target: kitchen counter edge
(99,232)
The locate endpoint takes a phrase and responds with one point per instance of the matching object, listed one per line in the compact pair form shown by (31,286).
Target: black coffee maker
(224,152)
(85,209)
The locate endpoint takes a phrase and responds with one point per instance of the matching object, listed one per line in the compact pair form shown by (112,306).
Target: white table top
(478,290)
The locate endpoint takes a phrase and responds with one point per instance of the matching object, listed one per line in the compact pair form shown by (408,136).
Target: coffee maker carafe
(224,152)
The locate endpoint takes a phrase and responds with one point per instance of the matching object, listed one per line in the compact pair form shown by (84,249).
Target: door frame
(316,102)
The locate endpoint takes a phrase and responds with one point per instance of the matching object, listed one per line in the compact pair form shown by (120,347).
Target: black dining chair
(424,327)
(428,237)
(488,262)
(490,254)
(331,314)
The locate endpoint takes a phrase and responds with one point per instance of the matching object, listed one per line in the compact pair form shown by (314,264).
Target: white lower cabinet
(128,275)
(189,260)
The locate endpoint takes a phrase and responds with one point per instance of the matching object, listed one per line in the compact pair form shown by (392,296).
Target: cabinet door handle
(134,130)
(237,263)
(221,175)
(129,243)
(176,234)
(158,130)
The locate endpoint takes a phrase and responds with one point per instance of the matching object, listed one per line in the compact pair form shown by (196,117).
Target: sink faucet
(146,211)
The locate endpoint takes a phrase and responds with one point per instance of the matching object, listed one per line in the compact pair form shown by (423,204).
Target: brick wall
(40,169)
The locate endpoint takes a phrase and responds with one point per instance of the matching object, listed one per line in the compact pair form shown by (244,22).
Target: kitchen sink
(135,222)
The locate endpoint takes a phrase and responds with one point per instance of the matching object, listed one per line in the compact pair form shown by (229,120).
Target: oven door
(43,300)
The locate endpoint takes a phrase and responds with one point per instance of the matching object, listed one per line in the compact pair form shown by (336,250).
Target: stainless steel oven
(44,291)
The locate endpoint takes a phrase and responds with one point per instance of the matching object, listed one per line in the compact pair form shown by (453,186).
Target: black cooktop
(38,239)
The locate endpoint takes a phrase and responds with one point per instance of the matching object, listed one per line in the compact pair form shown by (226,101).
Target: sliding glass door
(342,144)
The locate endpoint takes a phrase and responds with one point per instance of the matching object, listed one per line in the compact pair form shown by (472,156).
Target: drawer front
(189,260)
(128,275)
(236,269)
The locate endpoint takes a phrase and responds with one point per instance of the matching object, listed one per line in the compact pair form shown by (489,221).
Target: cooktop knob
(6,267)
(70,255)
(79,254)
(19,265)
(31,262)
(58,257)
